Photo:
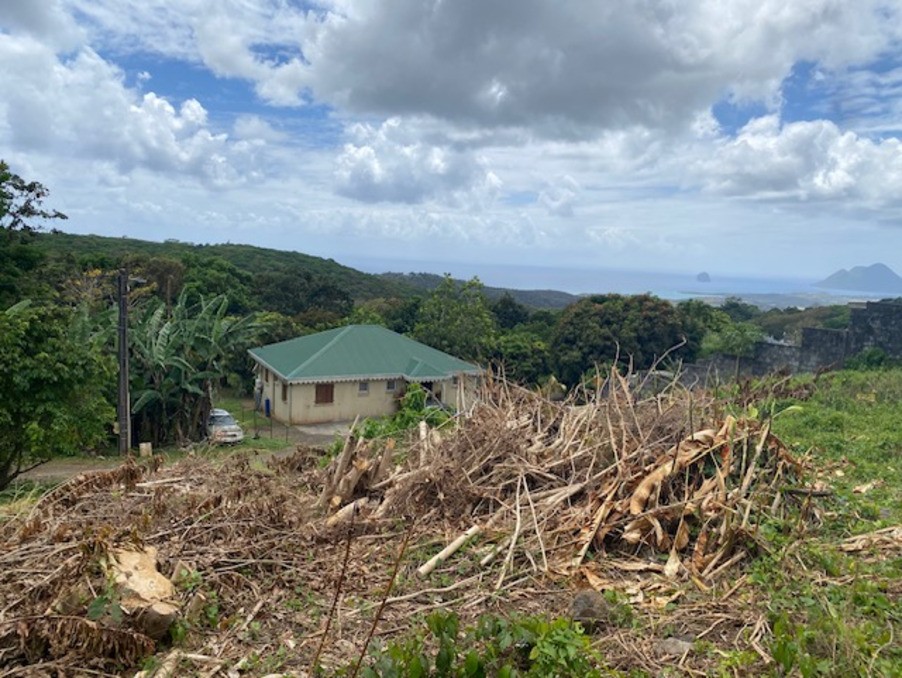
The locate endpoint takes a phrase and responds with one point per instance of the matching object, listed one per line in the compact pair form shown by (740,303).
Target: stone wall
(822,349)
(874,324)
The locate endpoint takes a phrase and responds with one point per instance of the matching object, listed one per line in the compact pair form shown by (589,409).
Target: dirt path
(57,470)
(62,468)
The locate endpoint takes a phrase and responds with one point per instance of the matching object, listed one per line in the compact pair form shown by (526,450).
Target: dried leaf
(672,568)
(867,487)
(637,566)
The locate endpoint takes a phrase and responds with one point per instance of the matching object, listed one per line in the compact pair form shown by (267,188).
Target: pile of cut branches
(555,482)
(513,507)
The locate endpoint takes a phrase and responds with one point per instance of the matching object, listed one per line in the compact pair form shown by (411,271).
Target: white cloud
(45,20)
(253,127)
(255,41)
(80,105)
(559,69)
(562,69)
(528,130)
(804,161)
(561,197)
(391,163)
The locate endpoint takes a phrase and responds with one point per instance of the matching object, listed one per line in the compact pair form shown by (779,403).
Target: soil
(318,436)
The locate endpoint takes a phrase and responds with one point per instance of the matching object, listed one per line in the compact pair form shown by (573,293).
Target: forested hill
(106,252)
(540,299)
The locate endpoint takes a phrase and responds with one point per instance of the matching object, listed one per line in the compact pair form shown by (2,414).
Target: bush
(871,359)
(411,411)
(521,646)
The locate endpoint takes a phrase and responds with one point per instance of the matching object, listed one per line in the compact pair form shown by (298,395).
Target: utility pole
(124,399)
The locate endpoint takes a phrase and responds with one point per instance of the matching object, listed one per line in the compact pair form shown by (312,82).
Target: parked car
(222,428)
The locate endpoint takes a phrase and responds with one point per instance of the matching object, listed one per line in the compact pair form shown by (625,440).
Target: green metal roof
(358,352)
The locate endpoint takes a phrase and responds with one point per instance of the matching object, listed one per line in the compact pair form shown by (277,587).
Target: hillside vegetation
(540,299)
(774,549)
(107,252)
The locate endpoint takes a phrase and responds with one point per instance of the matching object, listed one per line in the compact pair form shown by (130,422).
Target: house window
(266,376)
(325,394)
(455,381)
(363,388)
(390,385)
(284,392)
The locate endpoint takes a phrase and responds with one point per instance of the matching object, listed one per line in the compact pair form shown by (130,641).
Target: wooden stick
(508,561)
(535,522)
(388,590)
(346,512)
(448,551)
(314,665)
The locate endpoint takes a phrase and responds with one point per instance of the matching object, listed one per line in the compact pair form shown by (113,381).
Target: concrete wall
(822,349)
(349,401)
(876,325)
(873,324)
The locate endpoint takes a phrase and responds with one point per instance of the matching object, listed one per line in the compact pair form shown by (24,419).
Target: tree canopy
(53,388)
(21,202)
(21,210)
(456,319)
(603,328)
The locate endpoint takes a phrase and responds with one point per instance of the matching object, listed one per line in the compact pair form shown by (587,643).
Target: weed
(522,646)
(178,632)
(106,606)
(253,630)
(621,612)
(151,665)
(189,580)
(211,610)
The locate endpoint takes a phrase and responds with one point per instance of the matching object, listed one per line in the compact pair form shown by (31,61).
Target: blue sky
(745,138)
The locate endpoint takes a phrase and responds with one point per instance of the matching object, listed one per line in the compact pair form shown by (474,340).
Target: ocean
(672,286)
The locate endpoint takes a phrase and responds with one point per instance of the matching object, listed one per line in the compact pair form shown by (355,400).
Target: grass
(242,410)
(20,496)
(834,613)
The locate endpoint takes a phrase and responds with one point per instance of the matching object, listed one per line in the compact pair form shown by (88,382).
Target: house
(357,370)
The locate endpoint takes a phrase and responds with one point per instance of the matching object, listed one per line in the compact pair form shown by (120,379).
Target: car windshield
(222,420)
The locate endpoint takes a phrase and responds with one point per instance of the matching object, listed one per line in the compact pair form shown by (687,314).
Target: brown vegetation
(652,499)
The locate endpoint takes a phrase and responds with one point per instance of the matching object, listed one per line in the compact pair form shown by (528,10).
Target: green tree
(21,202)
(210,276)
(523,356)
(178,357)
(21,208)
(295,291)
(164,276)
(365,314)
(735,339)
(603,328)
(697,319)
(787,323)
(401,314)
(738,310)
(52,378)
(509,312)
(456,319)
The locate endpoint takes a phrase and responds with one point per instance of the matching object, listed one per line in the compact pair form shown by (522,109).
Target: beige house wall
(347,403)
(348,400)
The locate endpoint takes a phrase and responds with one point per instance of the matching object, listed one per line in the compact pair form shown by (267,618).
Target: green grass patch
(834,613)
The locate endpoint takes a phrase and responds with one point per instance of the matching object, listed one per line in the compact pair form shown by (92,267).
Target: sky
(742,137)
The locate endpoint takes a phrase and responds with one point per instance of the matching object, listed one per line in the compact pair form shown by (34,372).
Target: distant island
(703,277)
(874,278)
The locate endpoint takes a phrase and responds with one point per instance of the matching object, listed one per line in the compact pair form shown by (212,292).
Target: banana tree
(177,357)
